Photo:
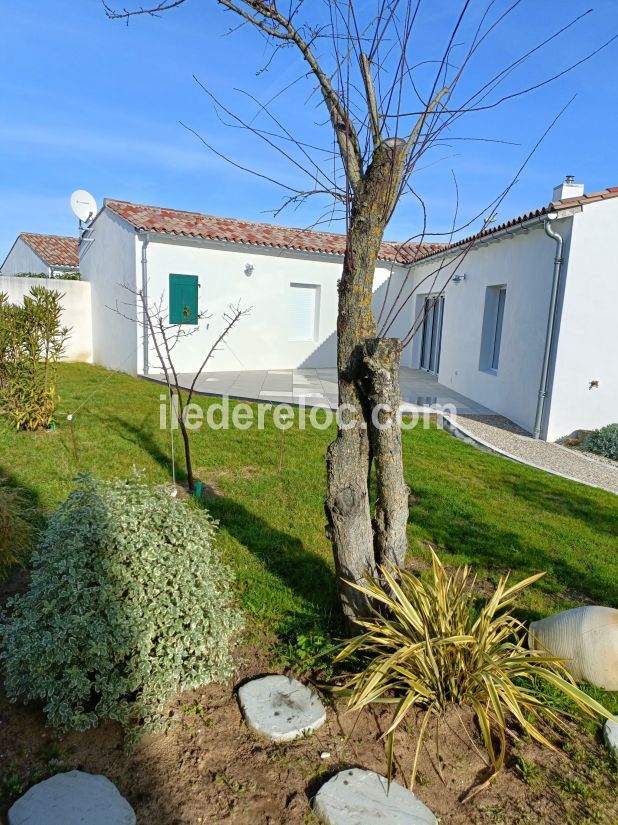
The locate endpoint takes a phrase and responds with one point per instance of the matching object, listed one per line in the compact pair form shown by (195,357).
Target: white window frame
(493,327)
(316,288)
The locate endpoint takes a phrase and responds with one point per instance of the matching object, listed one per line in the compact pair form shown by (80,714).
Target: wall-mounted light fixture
(249,268)
(457,279)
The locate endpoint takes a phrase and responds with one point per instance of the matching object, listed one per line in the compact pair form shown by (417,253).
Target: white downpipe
(145,240)
(551,323)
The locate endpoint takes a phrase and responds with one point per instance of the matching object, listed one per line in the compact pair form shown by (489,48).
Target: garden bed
(206,766)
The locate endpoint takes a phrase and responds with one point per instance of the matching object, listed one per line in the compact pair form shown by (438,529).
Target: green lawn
(472,506)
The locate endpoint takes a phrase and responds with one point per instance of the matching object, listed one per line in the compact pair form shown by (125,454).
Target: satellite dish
(83,205)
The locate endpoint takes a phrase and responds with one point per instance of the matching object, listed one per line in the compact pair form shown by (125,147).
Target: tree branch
(421,121)
(344,129)
(232,317)
(372,104)
(166,5)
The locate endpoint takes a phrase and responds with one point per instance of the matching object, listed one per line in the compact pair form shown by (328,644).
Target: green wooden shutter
(183,299)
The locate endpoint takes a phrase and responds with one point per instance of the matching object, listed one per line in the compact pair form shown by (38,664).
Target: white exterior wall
(588,341)
(524,264)
(108,264)
(391,281)
(587,347)
(261,340)
(76,313)
(22,258)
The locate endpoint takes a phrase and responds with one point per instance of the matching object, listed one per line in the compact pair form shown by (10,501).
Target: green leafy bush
(129,603)
(603,442)
(58,275)
(32,340)
(428,648)
(17,527)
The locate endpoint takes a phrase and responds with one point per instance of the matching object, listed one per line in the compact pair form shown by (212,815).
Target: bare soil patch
(207,767)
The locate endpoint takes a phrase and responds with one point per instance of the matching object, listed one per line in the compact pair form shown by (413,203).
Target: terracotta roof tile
(55,250)
(232,230)
(555,206)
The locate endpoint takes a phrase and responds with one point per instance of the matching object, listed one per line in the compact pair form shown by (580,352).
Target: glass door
(431,336)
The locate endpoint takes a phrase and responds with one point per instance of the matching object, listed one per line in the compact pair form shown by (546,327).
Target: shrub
(17,528)
(58,275)
(603,442)
(428,648)
(129,603)
(32,340)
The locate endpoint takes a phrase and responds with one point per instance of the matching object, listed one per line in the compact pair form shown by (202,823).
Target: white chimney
(568,189)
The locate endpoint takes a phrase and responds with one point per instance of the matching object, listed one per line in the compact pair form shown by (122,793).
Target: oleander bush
(603,442)
(32,340)
(129,603)
(428,647)
(17,527)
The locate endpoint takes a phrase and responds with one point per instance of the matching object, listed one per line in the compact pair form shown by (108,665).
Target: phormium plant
(426,648)
(129,603)
(32,340)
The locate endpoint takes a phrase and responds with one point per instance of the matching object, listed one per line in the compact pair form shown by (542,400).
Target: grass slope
(473,507)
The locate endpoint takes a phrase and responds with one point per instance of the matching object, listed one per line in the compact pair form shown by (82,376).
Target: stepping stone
(357,797)
(73,798)
(610,734)
(280,708)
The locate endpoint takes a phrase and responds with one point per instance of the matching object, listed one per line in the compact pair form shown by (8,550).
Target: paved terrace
(318,388)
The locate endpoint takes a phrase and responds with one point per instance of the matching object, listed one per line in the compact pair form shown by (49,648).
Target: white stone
(280,708)
(358,797)
(610,734)
(73,798)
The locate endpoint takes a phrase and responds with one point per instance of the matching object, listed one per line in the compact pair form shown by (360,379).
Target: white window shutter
(302,312)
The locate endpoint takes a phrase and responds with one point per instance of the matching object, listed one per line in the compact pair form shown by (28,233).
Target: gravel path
(503,435)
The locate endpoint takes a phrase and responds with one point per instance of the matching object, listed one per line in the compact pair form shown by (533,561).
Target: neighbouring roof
(231,230)
(54,250)
(554,206)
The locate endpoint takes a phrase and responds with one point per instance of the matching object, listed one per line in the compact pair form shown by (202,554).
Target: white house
(520,318)
(287,276)
(50,255)
(523,317)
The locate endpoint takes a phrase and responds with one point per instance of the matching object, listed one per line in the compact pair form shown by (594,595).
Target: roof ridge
(561,205)
(268,224)
(168,220)
(49,235)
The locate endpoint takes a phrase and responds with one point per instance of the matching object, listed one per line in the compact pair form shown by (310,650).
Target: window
(495,357)
(183,299)
(493,318)
(431,339)
(303,311)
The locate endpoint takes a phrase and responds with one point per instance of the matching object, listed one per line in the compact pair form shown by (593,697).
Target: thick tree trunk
(349,458)
(381,386)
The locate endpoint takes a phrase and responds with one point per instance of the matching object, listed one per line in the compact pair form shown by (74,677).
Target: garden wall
(77,313)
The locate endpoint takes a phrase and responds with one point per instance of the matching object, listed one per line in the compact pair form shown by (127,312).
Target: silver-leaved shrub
(129,603)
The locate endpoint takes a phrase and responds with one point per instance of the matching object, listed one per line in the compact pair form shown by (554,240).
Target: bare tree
(164,338)
(385,113)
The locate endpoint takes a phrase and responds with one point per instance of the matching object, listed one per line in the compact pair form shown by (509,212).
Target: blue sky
(94,104)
